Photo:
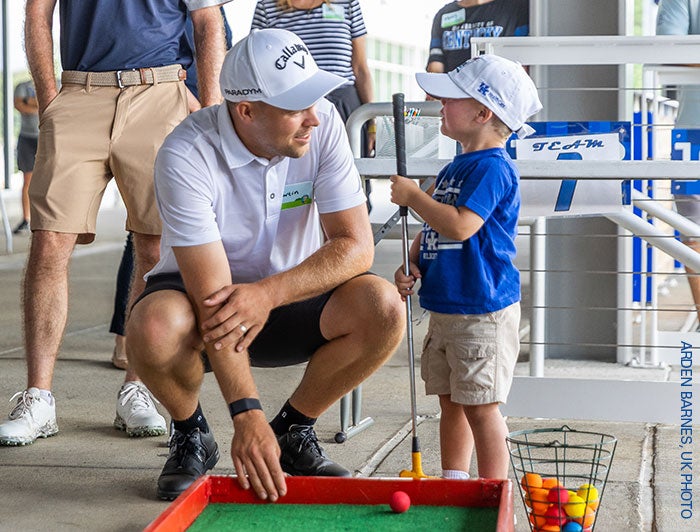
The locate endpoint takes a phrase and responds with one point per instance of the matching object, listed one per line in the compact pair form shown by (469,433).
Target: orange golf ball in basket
(549,483)
(531,481)
(548,528)
(538,521)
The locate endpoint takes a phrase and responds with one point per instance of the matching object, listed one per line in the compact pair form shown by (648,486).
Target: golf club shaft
(409,326)
(401,169)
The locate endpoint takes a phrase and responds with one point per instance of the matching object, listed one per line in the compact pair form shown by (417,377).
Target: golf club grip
(397,102)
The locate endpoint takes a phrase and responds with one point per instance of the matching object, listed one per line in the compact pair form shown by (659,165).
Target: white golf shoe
(32,417)
(136,411)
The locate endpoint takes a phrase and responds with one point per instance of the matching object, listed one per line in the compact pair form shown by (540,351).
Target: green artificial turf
(345,517)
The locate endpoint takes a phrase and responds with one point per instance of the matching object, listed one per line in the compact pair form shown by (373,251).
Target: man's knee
(391,308)
(370,309)
(381,309)
(52,249)
(158,327)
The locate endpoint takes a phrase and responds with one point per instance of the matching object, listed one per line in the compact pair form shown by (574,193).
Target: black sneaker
(21,227)
(303,456)
(191,455)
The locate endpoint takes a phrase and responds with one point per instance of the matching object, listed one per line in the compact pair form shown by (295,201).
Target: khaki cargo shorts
(86,136)
(471,357)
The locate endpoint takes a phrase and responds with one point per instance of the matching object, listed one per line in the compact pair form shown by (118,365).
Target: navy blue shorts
(290,336)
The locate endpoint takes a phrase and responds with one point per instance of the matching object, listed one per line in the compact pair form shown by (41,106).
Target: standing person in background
(122,92)
(682,17)
(117,326)
(125,272)
(457,22)
(335,33)
(28,107)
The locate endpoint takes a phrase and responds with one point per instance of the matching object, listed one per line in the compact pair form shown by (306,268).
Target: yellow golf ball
(575,507)
(589,494)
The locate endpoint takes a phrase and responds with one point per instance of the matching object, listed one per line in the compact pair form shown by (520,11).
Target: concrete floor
(92,477)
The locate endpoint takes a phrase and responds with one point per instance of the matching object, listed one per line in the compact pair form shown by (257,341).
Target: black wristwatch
(243,405)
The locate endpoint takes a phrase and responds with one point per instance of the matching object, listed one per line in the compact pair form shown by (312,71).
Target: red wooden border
(332,490)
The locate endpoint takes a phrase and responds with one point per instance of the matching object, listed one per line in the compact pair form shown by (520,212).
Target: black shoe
(21,227)
(191,455)
(303,456)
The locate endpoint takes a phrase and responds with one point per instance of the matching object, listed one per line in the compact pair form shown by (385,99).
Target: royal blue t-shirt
(105,35)
(477,275)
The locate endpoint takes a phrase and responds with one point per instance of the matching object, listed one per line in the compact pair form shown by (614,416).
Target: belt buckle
(119,73)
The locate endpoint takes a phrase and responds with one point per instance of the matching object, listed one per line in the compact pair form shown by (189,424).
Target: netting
(423,138)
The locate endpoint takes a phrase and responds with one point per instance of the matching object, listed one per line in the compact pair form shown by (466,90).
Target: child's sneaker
(32,417)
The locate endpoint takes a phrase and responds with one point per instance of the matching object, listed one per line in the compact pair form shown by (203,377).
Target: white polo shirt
(209,187)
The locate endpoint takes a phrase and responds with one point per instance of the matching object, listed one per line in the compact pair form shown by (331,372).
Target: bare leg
(119,343)
(364,321)
(146,255)
(162,331)
(456,439)
(45,303)
(25,195)
(490,432)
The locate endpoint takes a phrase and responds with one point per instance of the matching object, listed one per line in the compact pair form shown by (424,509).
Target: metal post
(537,287)
(6,123)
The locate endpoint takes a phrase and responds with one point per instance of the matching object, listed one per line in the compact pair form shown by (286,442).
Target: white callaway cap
(274,66)
(500,84)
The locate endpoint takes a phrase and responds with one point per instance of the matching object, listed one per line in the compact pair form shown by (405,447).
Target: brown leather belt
(125,78)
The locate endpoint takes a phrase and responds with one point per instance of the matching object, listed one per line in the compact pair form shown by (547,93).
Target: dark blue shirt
(104,35)
(454,26)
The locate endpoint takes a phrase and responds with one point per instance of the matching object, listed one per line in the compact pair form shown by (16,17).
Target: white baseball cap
(275,66)
(500,84)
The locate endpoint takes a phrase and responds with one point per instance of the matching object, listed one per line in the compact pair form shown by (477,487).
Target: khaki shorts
(88,136)
(471,357)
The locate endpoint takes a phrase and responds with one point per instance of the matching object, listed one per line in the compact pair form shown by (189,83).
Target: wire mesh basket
(561,473)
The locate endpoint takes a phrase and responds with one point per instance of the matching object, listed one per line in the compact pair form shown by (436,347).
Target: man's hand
(405,283)
(46,101)
(256,456)
(244,309)
(403,190)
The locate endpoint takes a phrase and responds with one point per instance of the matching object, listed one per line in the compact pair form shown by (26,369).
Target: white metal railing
(593,49)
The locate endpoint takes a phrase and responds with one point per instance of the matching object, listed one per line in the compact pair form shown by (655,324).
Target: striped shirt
(327,30)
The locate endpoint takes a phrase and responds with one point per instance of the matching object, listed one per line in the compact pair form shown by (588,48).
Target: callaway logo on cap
(274,66)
